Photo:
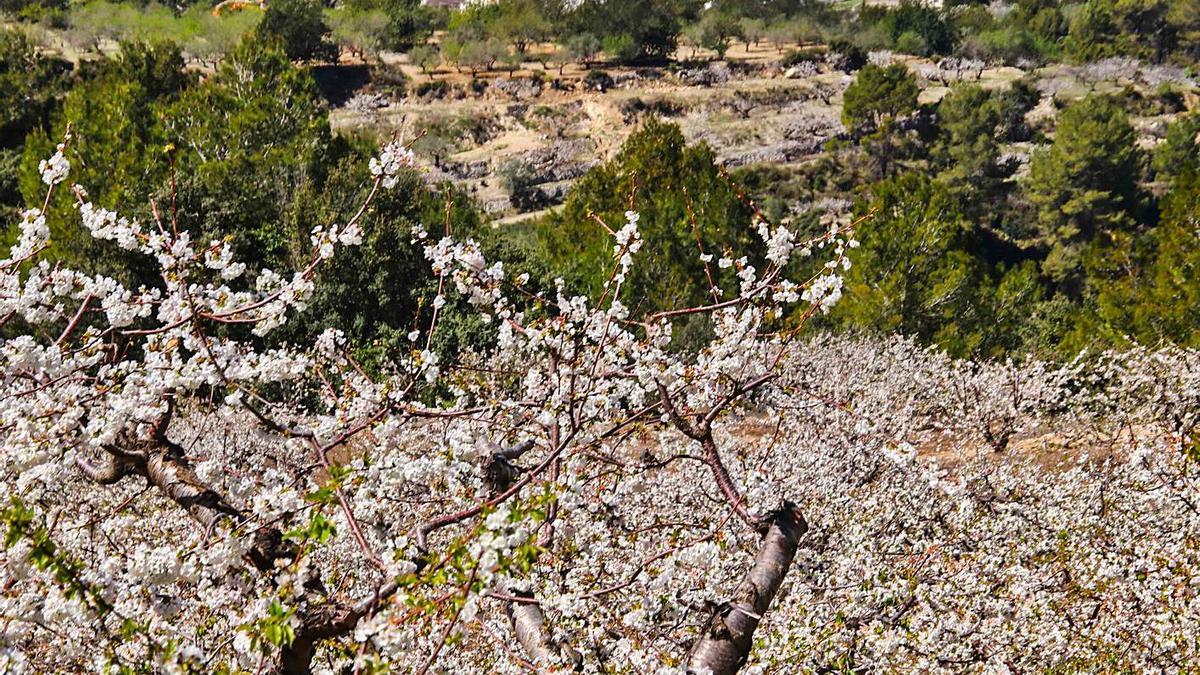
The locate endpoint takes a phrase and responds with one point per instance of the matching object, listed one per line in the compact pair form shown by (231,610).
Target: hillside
(744,337)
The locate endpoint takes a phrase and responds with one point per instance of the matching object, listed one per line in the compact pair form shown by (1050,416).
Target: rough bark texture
(712,457)
(528,621)
(529,624)
(725,644)
(174,478)
(164,465)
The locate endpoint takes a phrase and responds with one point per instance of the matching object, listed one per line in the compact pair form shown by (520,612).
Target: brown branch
(449,627)
(107,472)
(74,322)
(528,621)
(674,415)
(449,519)
(712,457)
(163,464)
(702,433)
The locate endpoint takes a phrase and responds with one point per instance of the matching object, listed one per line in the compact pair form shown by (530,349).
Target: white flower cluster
(824,292)
(325,240)
(34,235)
(219,257)
(107,225)
(629,241)
(55,169)
(394,157)
(780,242)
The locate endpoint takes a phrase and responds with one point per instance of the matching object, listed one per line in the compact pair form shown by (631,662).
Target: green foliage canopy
(659,175)
(1085,184)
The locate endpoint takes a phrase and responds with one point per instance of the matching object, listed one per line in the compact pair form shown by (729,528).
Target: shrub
(389,76)
(621,48)
(1010,46)
(848,56)
(433,89)
(597,80)
(911,42)
(519,180)
(878,94)
(797,56)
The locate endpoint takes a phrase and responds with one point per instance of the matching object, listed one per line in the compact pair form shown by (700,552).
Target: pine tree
(1085,184)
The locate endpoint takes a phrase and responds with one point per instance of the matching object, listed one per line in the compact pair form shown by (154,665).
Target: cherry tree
(186,499)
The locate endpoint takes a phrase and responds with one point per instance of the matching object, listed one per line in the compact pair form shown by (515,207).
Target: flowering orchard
(581,497)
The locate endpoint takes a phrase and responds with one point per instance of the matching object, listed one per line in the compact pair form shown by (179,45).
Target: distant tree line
(509,33)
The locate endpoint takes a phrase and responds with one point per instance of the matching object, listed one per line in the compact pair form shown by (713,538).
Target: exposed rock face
(784,152)
(810,127)
(521,89)
(544,176)
(801,70)
(468,170)
(556,192)
(633,108)
(711,74)
(597,80)
(366,102)
(562,160)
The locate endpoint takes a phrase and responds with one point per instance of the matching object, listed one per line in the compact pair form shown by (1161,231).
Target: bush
(520,182)
(911,42)
(434,89)
(797,56)
(597,80)
(621,48)
(849,57)
(879,94)
(635,107)
(391,77)
(1010,46)
(300,27)
(924,22)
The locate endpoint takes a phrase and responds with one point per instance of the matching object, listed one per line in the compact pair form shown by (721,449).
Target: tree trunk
(529,625)
(165,466)
(725,645)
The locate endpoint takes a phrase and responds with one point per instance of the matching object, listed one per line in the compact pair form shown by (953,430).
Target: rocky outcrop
(519,89)
(707,76)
